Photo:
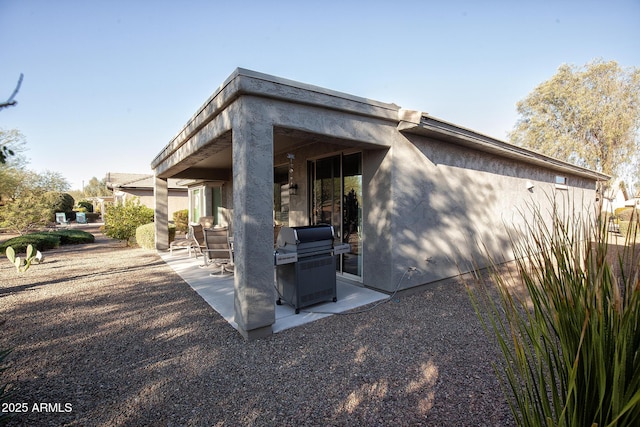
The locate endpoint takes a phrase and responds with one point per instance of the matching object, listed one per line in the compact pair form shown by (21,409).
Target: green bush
(146,235)
(58,202)
(86,205)
(121,221)
(41,241)
(74,237)
(625,214)
(44,240)
(181,220)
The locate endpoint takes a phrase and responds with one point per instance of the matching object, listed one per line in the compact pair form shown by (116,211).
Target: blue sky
(107,84)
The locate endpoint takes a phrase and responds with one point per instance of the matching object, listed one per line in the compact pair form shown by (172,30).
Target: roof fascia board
(440,129)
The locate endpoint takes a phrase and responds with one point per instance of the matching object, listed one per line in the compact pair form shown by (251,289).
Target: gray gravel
(116,337)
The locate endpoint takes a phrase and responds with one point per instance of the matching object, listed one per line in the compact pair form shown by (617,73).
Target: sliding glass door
(336,199)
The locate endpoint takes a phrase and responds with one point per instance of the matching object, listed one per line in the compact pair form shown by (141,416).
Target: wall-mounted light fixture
(293,187)
(530,186)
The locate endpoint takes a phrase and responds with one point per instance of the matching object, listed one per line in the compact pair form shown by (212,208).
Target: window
(561,182)
(196,204)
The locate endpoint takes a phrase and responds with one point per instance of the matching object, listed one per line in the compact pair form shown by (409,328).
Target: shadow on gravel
(126,342)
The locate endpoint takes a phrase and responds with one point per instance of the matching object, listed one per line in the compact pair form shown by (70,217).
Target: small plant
(23,264)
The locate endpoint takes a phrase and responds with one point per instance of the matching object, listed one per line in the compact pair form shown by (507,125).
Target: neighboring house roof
(137,181)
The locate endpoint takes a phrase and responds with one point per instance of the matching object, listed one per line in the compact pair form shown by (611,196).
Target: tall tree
(96,188)
(589,116)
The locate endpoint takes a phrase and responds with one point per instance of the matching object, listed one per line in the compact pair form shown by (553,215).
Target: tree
(58,202)
(33,199)
(25,214)
(51,181)
(96,188)
(11,170)
(5,151)
(588,116)
(12,101)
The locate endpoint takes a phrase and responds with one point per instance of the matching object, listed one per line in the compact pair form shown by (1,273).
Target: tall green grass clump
(567,321)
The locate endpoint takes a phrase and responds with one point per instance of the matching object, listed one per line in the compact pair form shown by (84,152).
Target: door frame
(311,171)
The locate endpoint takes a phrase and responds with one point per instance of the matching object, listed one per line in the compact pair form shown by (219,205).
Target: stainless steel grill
(306,265)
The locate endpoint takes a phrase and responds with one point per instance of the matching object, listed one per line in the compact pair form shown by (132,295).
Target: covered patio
(218,292)
(250,126)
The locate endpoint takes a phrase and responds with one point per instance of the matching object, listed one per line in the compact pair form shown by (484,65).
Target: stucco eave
(448,132)
(244,82)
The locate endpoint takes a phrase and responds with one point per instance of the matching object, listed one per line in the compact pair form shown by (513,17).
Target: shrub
(181,220)
(86,205)
(43,240)
(40,241)
(571,343)
(146,235)
(74,237)
(58,202)
(625,214)
(121,221)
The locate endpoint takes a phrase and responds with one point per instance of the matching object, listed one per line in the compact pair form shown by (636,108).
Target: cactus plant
(21,264)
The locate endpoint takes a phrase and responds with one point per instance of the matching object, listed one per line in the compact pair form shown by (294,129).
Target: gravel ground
(105,335)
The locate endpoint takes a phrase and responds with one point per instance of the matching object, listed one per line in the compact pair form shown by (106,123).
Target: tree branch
(11,101)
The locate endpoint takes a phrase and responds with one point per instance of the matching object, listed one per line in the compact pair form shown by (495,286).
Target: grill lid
(302,235)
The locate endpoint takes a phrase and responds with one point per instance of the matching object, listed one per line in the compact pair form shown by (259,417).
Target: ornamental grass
(567,321)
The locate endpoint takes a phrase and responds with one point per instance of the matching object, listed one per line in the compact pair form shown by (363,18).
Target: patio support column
(161,212)
(252,147)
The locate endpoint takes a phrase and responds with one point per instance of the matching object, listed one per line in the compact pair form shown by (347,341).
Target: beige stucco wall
(178,199)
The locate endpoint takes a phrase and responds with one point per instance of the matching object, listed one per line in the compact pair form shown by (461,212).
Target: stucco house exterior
(403,188)
(127,186)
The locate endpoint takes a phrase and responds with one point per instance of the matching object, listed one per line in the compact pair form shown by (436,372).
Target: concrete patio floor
(218,292)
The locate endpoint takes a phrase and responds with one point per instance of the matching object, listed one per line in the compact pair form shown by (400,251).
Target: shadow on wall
(444,211)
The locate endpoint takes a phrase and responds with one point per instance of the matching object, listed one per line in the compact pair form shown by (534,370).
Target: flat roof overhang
(188,149)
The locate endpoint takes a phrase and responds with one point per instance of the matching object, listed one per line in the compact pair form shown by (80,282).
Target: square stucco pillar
(161,212)
(252,148)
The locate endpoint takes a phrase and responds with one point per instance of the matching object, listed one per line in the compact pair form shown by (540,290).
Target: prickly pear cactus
(23,265)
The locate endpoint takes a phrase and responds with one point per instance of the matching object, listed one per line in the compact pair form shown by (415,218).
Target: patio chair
(187,243)
(198,238)
(61,218)
(81,218)
(207,221)
(218,250)
(276,231)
